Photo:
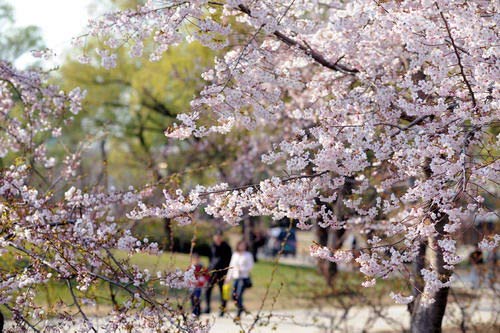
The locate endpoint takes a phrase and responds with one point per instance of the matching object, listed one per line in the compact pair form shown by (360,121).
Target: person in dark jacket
(220,258)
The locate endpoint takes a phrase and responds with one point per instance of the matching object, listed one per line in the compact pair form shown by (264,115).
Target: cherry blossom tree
(385,94)
(400,97)
(61,233)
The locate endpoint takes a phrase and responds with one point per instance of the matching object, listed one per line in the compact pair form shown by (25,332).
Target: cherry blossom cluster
(433,282)
(178,208)
(398,298)
(339,256)
(449,249)
(161,22)
(44,109)
(490,244)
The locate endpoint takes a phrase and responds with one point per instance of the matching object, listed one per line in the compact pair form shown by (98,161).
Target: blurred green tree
(127,110)
(14,40)
(129,107)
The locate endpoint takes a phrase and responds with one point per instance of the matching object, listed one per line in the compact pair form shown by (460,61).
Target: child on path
(202,277)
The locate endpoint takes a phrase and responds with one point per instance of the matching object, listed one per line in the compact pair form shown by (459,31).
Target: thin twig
(20,316)
(75,300)
(457,54)
(413,123)
(318,57)
(257,186)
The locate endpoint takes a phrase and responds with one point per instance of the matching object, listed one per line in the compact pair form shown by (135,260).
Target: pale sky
(59,20)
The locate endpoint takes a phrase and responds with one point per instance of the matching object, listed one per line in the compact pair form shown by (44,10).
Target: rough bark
(332,238)
(169,236)
(248,231)
(103,176)
(322,265)
(428,318)
(416,279)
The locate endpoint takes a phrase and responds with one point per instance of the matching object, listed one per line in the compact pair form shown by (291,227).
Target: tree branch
(75,300)
(318,57)
(257,186)
(24,320)
(413,123)
(457,54)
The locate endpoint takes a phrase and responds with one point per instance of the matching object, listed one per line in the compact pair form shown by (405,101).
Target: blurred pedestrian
(201,279)
(491,260)
(220,257)
(258,239)
(476,259)
(239,271)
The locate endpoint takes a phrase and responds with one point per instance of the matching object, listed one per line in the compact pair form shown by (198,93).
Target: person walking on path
(201,279)
(476,259)
(239,270)
(220,257)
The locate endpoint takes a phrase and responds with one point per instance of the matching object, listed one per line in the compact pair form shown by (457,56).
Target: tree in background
(15,41)
(128,108)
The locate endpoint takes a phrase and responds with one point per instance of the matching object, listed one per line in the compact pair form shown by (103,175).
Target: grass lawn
(275,286)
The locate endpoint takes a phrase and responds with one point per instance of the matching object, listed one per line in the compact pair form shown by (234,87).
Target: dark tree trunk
(103,176)
(428,318)
(251,236)
(169,236)
(323,266)
(326,268)
(416,279)
(2,320)
(333,238)
(246,230)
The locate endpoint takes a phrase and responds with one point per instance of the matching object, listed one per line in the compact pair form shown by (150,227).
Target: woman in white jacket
(239,271)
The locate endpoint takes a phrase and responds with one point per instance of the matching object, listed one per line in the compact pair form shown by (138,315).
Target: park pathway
(330,320)
(358,319)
